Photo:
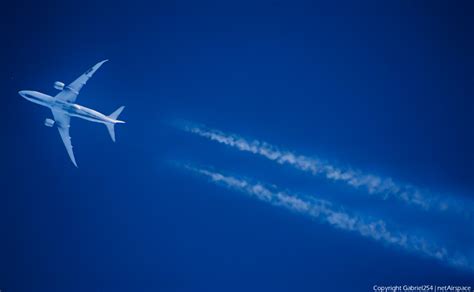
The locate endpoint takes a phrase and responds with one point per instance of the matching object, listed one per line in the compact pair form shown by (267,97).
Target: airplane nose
(26,94)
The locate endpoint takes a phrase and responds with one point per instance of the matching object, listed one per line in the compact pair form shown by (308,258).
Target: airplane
(63,107)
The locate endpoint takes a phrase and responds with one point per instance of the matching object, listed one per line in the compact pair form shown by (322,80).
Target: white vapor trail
(336,217)
(373,184)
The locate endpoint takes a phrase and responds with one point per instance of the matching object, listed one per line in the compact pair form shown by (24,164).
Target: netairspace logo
(421,288)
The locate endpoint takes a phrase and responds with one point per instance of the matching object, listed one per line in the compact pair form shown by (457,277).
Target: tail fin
(116,113)
(114,116)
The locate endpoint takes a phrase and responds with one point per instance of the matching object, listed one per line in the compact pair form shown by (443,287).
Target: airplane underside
(63,107)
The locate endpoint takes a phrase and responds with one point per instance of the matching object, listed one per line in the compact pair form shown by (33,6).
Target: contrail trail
(336,217)
(373,184)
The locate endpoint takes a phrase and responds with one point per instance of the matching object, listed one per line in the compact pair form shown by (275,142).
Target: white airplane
(63,108)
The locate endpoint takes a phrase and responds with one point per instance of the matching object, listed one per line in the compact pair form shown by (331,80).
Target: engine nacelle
(49,122)
(59,85)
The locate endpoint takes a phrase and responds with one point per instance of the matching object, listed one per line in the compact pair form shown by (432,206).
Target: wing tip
(73,160)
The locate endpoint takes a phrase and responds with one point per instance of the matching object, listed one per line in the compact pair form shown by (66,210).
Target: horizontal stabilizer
(116,113)
(111,126)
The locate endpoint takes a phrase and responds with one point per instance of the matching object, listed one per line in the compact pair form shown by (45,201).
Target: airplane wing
(71,91)
(63,123)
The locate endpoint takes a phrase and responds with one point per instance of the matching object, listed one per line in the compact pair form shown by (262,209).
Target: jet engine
(59,85)
(49,122)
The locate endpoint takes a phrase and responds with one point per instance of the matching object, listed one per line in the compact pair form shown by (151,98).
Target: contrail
(373,184)
(336,217)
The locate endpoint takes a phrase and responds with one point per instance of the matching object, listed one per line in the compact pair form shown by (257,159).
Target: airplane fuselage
(70,109)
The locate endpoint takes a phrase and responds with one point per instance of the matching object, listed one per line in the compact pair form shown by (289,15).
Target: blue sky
(381,87)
